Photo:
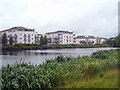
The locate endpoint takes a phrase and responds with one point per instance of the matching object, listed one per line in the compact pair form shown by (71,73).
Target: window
(15,35)
(10,35)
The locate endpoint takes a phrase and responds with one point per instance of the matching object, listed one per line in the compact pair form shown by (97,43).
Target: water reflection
(38,56)
(28,53)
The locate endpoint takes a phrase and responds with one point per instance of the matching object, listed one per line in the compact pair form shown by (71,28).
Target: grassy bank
(108,79)
(61,71)
(35,46)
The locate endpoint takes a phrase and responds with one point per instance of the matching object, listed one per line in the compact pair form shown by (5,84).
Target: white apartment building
(85,40)
(101,40)
(60,37)
(25,35)
(22,35)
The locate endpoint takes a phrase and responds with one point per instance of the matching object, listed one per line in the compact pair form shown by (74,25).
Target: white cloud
(94,17)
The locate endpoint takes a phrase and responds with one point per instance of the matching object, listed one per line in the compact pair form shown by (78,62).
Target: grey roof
(18,28)
(60,31)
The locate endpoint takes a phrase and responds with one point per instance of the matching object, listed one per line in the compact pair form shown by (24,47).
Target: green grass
(60,72)
(107,80)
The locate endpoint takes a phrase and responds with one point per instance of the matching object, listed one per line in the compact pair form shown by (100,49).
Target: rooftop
(60,31)
(20,28)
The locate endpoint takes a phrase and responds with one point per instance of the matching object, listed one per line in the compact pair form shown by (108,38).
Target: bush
(20,44)
(10,48)
(100,55)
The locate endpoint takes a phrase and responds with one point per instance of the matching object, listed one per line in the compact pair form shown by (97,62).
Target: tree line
(114,41)
(5,40)
(43,40)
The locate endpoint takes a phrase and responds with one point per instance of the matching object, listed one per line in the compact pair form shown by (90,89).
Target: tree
(115,42)
(110,42)
(4,39)
(43,40)
(11,40)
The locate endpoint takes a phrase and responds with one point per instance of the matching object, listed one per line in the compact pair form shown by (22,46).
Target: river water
(37,57)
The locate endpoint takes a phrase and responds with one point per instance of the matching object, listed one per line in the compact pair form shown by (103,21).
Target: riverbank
(108,80)
(59,72)
(18,47)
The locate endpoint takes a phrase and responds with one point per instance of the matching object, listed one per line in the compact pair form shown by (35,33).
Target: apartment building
(84,40)
(60,37)
(25,35)
(101,40)
(22,35)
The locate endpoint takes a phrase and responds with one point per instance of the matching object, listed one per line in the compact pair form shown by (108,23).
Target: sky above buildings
(84,17)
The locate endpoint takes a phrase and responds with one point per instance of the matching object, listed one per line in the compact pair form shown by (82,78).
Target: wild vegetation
(106,80)
(60,72)
(35,46)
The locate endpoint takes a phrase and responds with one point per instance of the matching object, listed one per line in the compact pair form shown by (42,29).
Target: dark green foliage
(60,59)
(20,44)
(35,46)
(100,55)
(10,48)
(4,39)
(43,40)
(114,42)
(11,40)
(54,73)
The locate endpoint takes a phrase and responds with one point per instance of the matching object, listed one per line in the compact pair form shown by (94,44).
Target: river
(37,57)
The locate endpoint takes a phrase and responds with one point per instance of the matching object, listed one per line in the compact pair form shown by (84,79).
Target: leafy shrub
(100,55)
(21,44)
(10,48)
(60,59)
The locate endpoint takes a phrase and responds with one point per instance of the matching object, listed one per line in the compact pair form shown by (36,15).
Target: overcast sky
(84,17)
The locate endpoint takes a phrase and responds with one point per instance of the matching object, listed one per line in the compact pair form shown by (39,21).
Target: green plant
(58,72)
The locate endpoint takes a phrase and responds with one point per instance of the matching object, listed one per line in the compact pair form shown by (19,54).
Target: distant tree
(114,42)
(110,42)
(11,40)
(4,39)
(43,40)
